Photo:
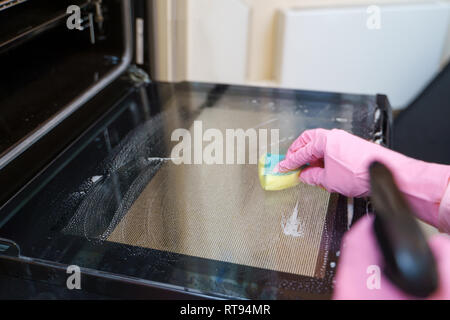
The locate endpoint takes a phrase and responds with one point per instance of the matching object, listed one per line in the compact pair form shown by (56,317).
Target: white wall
(395,49)
(217,41)
(235,41)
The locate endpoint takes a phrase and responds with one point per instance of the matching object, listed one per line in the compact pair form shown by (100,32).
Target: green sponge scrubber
(271,180)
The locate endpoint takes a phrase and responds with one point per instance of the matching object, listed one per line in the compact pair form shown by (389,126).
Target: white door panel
(334,50)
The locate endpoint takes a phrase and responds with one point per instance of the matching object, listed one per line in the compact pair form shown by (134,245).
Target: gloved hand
(339,162)
(360,268)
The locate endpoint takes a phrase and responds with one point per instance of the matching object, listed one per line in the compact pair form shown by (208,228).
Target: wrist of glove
(360,268)
(339,162)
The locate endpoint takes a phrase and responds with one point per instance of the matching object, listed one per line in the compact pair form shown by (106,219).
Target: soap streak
(292,227)
(265,123)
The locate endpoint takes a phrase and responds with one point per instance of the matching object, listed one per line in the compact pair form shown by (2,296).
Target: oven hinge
(9,248)
(137,75)
(99,14)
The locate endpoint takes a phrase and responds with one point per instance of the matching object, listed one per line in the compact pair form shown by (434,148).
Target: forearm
(339,162)
(444,212)
(360,253)
(425,186)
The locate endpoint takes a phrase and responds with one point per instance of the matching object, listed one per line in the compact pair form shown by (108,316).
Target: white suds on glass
(292,226)
(94,179)
(160,159)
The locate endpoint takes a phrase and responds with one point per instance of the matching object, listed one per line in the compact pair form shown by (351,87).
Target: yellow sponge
(272,181)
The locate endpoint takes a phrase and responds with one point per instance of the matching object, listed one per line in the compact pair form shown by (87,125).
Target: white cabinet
(306,44)
(337,49)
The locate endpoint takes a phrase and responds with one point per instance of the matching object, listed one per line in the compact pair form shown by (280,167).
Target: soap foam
(292,226)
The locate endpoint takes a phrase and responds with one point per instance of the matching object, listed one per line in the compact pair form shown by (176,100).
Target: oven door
(139,224)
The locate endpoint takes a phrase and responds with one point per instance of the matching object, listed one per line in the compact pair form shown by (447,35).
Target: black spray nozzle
(408,260)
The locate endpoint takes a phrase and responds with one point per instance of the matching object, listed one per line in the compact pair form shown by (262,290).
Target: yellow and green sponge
(272,181)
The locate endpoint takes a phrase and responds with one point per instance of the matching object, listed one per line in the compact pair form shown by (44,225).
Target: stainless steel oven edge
(23,145)
(103,285)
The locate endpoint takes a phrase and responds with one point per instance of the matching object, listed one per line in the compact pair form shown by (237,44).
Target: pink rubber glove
(360,266)
(340,161)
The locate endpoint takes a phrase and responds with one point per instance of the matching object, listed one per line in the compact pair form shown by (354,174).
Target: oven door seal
(77,102)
